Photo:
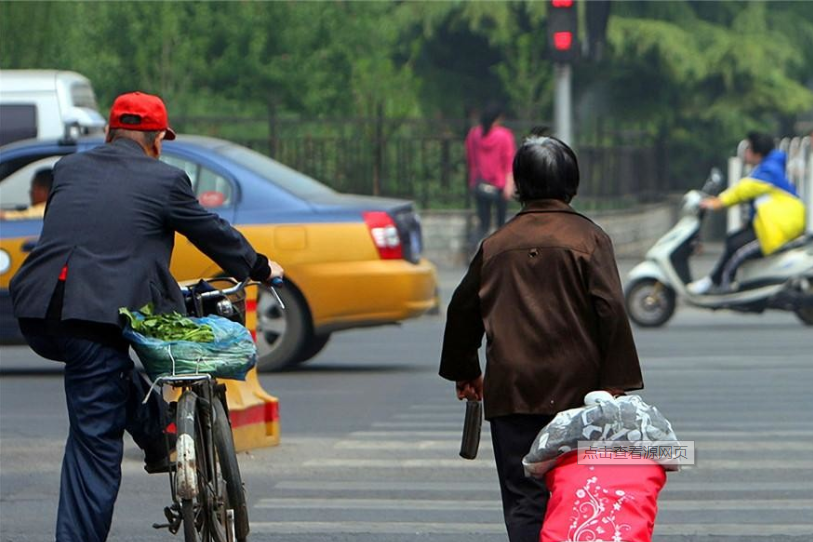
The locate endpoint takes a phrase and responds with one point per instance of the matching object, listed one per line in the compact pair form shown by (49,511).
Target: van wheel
(281,333)
(650,303)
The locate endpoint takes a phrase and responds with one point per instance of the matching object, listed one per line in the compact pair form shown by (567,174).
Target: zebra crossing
(401,478)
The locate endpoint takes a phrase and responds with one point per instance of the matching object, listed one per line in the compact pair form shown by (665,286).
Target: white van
(42,104)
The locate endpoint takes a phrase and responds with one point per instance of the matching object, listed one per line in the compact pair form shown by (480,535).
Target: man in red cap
(106,243)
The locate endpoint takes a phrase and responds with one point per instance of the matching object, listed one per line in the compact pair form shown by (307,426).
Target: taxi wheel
(281,333)
(314,345)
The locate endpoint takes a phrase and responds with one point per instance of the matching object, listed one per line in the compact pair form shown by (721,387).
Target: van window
(17,121)
(82,96)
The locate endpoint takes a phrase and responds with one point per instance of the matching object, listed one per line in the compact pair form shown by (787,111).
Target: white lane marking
(686,435)
(451,425)
(399,464)
(370,527)
(475,487)
(452,445)
(672,505)
(702,464)
(380,504)
(733,529)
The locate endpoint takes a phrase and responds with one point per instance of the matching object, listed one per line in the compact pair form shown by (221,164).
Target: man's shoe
(700,287)
(159,460)
(156,465)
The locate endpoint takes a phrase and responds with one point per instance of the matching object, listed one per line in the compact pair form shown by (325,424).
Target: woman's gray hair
(545,168)
(535,140)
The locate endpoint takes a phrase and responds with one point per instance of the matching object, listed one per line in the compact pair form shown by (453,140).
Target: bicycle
(208,496)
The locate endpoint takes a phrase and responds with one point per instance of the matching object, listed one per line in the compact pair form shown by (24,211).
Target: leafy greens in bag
(168,327)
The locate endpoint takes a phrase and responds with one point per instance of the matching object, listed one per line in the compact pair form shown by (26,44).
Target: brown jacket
(545,291)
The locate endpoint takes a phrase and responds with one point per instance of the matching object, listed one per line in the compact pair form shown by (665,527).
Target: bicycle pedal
(174,520)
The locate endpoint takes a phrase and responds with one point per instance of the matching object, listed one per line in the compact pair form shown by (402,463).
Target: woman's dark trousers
(524,500)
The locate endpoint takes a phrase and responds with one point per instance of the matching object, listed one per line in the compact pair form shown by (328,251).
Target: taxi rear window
(286,178)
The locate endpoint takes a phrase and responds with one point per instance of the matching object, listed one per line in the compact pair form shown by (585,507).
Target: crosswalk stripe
(669,505)
(686,435)
(447,416)
(372,527)
(733,529)
(451,445)
(673,485)
(395,463)
(451,426)
(379,504)
(457,418)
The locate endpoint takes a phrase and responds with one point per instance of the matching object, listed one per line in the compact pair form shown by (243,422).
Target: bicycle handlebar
(240,286)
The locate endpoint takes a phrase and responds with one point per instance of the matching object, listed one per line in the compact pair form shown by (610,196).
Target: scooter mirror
(715,182)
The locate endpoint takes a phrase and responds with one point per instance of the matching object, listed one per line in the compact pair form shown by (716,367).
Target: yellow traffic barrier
(254,413)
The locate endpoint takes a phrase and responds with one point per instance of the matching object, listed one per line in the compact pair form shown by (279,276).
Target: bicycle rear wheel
(230,470)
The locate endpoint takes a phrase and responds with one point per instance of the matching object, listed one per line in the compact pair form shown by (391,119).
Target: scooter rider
(777,214)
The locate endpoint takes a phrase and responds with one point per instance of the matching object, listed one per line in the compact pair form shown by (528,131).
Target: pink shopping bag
(606,502)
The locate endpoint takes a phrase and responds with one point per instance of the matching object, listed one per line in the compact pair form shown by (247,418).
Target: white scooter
(782,281)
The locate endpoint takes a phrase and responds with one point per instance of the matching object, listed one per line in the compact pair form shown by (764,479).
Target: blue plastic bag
(231,355)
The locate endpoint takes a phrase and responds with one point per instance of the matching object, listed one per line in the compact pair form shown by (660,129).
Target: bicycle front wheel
(230,470)
(187,474)
(190,531)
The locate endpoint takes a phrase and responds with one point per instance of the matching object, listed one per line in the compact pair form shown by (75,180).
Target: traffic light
(563,43)
(597,13)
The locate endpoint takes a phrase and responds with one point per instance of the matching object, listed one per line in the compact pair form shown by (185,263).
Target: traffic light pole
(562,106)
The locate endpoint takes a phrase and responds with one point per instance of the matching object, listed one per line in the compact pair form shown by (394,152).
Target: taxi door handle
(29,245)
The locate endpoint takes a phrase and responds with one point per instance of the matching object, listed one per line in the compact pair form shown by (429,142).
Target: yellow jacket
(779,216)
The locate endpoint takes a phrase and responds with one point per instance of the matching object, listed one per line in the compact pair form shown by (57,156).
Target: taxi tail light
(385,234)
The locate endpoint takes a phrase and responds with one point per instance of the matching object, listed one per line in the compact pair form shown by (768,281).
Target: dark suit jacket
(545,291)
(111,218)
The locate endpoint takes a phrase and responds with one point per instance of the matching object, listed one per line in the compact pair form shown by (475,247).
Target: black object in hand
(471,430)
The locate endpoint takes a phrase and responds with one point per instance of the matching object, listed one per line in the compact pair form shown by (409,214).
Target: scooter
(781,281)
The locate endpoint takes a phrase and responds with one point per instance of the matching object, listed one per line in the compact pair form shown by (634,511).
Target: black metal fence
(425,160)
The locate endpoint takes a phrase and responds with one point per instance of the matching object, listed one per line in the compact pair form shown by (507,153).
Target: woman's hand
(471,390)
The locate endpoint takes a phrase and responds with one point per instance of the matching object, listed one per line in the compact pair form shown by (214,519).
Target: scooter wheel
(805,314)
(650,303)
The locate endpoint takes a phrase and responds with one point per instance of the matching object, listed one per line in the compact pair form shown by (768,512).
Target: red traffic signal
(562,41)
(562,27)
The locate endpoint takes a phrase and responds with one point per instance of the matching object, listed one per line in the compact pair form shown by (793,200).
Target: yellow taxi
(350,261)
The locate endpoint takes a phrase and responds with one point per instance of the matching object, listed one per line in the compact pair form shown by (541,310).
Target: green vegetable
(168,327)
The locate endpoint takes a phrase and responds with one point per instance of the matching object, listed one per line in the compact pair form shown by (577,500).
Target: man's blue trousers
(104,399)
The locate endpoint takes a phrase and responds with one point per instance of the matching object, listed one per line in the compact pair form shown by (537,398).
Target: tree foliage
(696,74)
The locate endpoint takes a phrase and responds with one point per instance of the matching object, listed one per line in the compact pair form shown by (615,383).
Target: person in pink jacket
(490,150)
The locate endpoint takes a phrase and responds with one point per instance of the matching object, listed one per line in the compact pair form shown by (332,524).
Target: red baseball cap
(141,112)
